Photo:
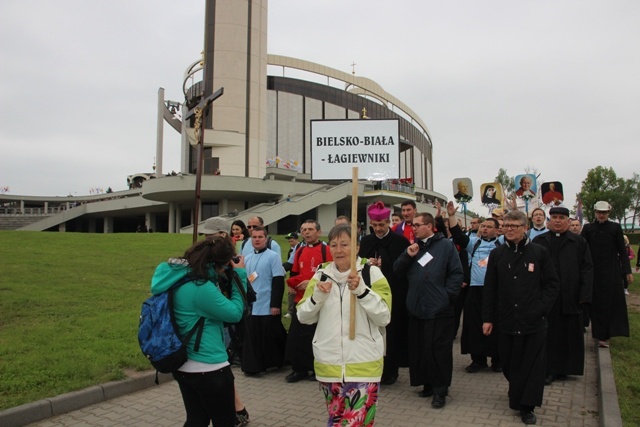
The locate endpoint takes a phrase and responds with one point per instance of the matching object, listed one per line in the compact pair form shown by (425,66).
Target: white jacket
(337,358)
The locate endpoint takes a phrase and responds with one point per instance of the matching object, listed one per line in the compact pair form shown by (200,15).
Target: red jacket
(405,229)
(305,263)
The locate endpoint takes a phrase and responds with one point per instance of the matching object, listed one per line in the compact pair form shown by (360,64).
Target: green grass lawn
(69,308)
(625,355)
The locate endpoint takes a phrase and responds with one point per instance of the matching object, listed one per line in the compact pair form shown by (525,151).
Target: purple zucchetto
(378,212)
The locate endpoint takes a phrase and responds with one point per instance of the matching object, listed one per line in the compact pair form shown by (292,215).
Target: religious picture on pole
(462,190)
(526,186)
(552,193)
(492,194)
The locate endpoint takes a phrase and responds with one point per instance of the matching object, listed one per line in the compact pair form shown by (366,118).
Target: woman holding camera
(206,381)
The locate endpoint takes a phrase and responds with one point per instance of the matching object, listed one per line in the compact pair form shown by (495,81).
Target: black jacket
(461,240)
(388,249)
(520,288)
(434,286)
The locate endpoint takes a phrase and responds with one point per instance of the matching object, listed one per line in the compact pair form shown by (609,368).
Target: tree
(603,184)
(633,185)
(506,181)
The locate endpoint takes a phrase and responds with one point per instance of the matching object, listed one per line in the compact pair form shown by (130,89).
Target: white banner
(339,145)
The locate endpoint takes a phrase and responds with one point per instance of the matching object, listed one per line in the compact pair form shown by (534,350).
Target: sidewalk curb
(57,405)
(609,407)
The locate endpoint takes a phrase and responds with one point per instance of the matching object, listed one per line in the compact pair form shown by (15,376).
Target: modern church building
(256,150)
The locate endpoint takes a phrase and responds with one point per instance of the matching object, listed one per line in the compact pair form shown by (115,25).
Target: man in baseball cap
(215,225)
(497,213)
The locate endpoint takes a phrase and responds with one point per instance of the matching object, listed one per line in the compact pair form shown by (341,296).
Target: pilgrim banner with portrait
(527,192)
(552,193)
(492,195)
(462,190)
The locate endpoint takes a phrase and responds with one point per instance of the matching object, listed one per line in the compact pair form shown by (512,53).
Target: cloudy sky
(549,85)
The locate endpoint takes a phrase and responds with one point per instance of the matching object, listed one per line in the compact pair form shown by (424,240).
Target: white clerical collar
(385,234)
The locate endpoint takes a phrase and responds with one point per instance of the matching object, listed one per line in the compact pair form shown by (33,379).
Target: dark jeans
(208,397)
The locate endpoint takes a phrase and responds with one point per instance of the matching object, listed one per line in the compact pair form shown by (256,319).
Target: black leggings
(208,397)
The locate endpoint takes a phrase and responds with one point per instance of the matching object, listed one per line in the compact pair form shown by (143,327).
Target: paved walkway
(478,400)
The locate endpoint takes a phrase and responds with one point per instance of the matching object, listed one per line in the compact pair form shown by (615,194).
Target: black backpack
(249,296)
(296,257)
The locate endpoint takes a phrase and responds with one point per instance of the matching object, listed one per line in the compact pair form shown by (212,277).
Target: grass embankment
(625,355)
(69,308)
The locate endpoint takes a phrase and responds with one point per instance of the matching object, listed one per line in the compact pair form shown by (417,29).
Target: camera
(235,259)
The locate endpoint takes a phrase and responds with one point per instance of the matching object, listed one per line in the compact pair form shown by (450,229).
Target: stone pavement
(478,400)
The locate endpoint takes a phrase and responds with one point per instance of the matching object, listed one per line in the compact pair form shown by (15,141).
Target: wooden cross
(200,111)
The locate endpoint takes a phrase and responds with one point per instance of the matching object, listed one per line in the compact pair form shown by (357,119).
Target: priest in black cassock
(520,288)
(382,248)
(608,310)
(571,258)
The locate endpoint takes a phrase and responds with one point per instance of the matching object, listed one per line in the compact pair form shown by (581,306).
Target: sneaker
(242,418)
(626,291)
(287,316)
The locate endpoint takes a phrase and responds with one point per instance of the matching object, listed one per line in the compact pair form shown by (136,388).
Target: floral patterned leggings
(350,404)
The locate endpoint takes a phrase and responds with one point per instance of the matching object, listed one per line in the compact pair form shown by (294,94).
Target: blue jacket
(480,257)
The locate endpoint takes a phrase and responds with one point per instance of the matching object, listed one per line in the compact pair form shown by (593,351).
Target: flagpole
(354,245)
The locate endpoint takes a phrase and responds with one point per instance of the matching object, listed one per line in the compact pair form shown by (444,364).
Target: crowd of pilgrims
(519,290)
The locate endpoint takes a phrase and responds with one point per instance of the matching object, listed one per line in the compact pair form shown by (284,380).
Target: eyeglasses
(511,226)
(251,226)
(414,225)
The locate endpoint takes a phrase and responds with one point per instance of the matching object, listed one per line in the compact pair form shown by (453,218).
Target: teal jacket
(192,301)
